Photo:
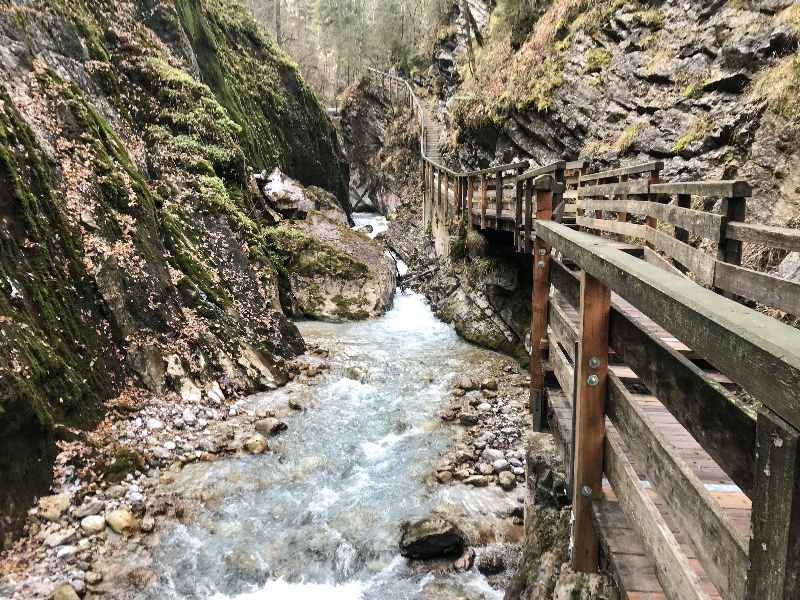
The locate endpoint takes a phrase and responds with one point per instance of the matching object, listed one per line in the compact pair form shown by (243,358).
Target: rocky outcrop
(431,538)
(133,253)
(705,87)
(485,296)
(382,144)
(544,569)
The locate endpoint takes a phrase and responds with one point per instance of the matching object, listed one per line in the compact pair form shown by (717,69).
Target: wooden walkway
(675,404)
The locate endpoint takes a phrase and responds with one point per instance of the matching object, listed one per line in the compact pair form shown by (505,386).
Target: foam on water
(278,589)
(319,515)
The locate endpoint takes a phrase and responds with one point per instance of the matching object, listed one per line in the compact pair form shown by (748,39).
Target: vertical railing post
(438,194)
(528,215)
(775,545)
(622,216)
(540,301)
(470,192)
(518,211)
(590,399)
(446,198)
(498,199)
(651,222)
(484,200)
(684,201)
(728,250)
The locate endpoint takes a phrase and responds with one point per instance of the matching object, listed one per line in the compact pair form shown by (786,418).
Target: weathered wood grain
(590,393)
(721,189)
(722,549)
(760,287)
(756,351)
(775,547)
(647,167)
(702,265)
(675,573)
(775,237)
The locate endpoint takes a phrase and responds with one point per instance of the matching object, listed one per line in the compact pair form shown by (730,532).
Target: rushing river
(319,517)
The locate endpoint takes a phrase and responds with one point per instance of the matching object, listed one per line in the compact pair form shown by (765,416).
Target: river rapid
(318,517)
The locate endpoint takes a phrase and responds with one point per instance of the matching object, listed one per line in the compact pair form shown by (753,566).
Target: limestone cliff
(132,250)
(710,88)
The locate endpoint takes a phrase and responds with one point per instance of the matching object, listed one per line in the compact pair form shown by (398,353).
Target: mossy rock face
(128,231)
(334,272)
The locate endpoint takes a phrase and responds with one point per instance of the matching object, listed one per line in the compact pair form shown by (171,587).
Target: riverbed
(319,516)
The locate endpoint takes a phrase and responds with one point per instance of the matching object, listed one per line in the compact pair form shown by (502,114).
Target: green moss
(282,123)
(54,364)
(126,460)
(597,59)
(650,17)
(292,250)
(695,132)
(628,136)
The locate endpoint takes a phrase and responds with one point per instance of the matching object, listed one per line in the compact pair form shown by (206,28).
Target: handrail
(416,103)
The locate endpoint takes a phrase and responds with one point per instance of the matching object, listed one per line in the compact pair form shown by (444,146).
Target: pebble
(65,592)
(476,480)
(148,524)
(500,464)
(93,578)
(66,551)
(269,426)
(115,491)
(492,454)
(188,416)
(52,507)
(90,506)
(121,520)
(63,536)
(468,419)
(485,469)
(507,480)
(93,524)
(295,404)
(154,424)
(256,444)
(444,476)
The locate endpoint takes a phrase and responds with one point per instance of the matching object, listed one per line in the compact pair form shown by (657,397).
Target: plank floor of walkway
(627,559)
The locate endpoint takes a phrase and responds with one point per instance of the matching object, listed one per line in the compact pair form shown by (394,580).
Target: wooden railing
(637,302)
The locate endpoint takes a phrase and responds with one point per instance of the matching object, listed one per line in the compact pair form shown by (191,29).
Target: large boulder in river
(333,272)
(431,538)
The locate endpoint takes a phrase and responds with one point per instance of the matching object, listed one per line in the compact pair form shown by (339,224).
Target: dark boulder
(431,538)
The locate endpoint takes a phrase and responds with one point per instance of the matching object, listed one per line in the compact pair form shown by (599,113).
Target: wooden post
(684,201)
(498,199)
(775,546)
(622,216)
(528,215)
(590,416)
(539,309)
(446,197)
(438,189)
(484,201)
(470,192)
(518,245)
(651,222)
(728,250)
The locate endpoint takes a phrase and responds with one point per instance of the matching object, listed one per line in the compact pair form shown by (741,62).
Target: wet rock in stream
(431,538)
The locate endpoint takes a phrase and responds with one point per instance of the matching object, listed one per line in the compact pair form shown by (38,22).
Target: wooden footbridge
(675,402)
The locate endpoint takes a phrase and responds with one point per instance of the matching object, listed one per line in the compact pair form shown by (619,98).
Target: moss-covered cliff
(128,234)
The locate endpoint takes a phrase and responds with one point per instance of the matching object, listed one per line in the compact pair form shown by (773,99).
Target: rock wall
(382,145)
(133,252)
(710,88)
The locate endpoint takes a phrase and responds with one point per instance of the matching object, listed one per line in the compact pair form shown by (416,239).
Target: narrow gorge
(296,299)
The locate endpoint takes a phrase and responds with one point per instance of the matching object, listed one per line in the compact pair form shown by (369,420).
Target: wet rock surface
(431,538)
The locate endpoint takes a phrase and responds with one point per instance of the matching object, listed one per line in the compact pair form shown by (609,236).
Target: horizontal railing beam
(758,352)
